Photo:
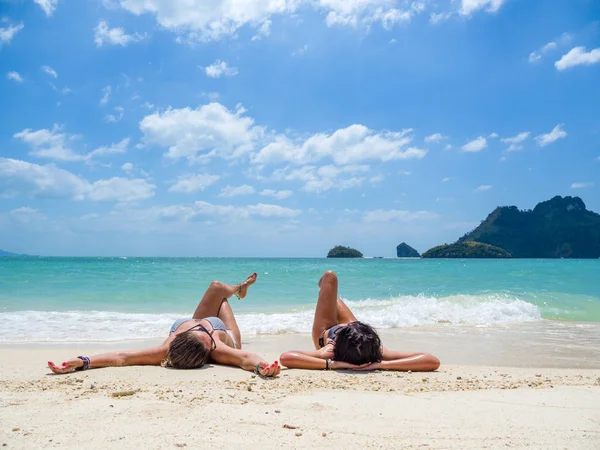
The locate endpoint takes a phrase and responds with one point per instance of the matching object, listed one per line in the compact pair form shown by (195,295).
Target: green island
(466,250)
(406,251)
(558,228)
(339,251)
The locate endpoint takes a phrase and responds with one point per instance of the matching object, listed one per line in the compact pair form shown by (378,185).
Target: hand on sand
(267,370)
(241,293)
(67,367)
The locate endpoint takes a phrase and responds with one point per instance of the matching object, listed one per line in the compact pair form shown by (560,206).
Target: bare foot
(246,284)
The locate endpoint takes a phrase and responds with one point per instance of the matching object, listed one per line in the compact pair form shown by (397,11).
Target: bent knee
(330,275)
(215,285)
(433,362)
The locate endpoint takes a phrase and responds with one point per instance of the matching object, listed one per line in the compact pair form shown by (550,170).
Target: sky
(281,128)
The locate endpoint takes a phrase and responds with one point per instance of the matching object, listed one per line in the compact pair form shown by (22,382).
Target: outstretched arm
(413,361)
(315,360)
(246,360)
(147,357)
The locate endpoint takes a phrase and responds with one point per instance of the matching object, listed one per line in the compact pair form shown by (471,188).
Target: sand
(463,405)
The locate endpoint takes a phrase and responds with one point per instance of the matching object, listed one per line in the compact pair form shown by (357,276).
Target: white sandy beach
(536,401)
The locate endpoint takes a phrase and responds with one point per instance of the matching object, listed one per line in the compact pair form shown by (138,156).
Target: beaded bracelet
(257,368)
(328,364)
(86,363)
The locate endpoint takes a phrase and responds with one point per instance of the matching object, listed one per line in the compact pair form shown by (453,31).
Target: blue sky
(285,127)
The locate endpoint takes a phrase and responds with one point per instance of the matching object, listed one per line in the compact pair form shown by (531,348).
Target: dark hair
(186,352)
(357,343)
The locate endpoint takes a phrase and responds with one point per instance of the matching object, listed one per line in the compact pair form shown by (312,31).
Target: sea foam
(404,311)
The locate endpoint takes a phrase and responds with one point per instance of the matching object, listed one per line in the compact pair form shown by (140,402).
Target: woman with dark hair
(212,334)
(342,342)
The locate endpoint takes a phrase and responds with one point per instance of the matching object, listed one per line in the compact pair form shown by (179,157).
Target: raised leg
(210,304)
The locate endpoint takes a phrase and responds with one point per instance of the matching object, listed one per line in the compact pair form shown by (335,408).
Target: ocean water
(112,299)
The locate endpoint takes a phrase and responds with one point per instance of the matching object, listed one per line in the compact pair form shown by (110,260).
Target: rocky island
(340,251)
(406,251)
(558,228)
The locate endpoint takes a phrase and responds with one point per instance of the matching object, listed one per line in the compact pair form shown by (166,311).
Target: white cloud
(53,144)
(127,167)
(493,135)
(399,215)
(436,137)
(106,91)
(193,183)
(120,190)
(534,57)
(483,188)
(66,90)
(220,68)
(208,20)
(119,147)
(103,34)
(243,212)
(556,134)
(200,134)
(148,105)
(50,71)
(549,46)
(112,118)
(231,191)
(32,180)
(445,180)
(578,57)
(468,7)
(280,195)
(49,6)
(325,178)
(582,185)
(7,34)
(516,140)
(475,145)
(15,76)
(349,145)
(263,31)
(26,214)
(448,147)
(435,18)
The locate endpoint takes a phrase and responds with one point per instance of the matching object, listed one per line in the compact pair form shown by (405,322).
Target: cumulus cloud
(380,215)
(50,71)
(234,191)
(55,144)
(260,210)
(483,188)
(556,134)
(468,7)
(208,20)
(200,134)
(15,76)
(193,183)
(578,56)
(8,33)
(325,178)
(103,34)
(580,185)
(280,195)
(220,68)
(515,141)
(475,145)
(49,6)
(32,180)
(120,190)
(350,145)
(436,137)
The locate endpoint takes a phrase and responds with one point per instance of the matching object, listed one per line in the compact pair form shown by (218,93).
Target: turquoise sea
(108,299)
